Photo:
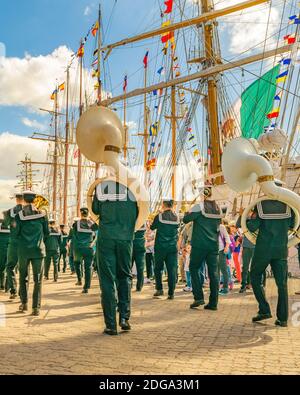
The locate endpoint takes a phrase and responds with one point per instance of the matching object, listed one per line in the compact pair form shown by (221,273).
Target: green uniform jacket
(52,241)
(31,230)
(10,221)
(166,225)
(117,210)
(4,237)
(205,233)
(83,234)
(63,241)
(139,240)
(272,236)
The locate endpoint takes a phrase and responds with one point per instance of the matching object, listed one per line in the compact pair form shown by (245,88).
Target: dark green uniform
(71,253)
(4,240)
(118,211)
(52,243)
(63,250)
(139,256)
(166,225)
(31,230)
(206,218)
(12,252)
(272,219)
(83,235)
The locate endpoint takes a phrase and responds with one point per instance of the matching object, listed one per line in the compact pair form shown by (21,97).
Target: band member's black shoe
(170,297)
(23,307)
(261,317)
(35,312)
(85,291)
(242,290)
(196,304)
(124,324)
(79,283)
(110,332)
(158,293)
(284,324)
(209,307)
(13,296)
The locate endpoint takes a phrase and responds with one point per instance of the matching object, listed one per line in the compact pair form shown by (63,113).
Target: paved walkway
(167,336)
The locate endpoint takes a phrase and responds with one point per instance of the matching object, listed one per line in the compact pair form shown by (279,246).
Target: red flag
(125,84)
(80,51)
(145,61)
(95,28)
(169,5)
(290,38)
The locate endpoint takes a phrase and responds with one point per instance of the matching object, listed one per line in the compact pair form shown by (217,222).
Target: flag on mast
(145,60)
(125,84)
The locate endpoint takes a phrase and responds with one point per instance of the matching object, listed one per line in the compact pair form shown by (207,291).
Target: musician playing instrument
(273,220)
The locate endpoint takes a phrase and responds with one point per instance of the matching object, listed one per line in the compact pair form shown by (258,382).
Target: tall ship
(188,96)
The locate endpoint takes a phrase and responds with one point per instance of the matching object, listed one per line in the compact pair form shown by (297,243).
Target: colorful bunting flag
(154,129)
(95,28)
(168,36)
(150,165)
(294,20)
(286,61)
(145,60)
(169,5)
(282,77)
(80,51)
(95,62)
(61,87)
(274,113)
(160,71)
(278,96)
(160,91)
(191,138)
(290,38)
(95,52)
(196,152)
(125,84)
(95,73)
(76,153)
(155,92)
(53,96)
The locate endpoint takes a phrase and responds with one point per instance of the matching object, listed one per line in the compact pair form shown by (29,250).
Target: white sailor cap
(29,193)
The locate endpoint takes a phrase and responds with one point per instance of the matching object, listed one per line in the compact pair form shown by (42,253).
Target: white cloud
(87,11)
(6,192)
(13,149)
(33,124)
(248,28)
(29,81)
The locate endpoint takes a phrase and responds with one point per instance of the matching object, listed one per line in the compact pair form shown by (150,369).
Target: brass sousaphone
(100,137)
(242,167)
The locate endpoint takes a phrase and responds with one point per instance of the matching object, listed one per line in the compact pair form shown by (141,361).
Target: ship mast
(66,169)
(79,162)
(55,156)
(99,55)
(212,94)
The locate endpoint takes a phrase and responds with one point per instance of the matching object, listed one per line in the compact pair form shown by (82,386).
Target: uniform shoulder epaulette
(80,229)
(210,209)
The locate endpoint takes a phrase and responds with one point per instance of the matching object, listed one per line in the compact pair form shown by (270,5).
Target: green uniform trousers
(3,263)
(168,257)
(114,268)
(52,256)
(280,271)
(223,269)
(37,269)
(63,255)
(198,256)
(139,257)
(85,256)
(247,256)
(12,261)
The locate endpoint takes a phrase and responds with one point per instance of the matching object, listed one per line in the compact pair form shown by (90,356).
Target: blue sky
(40,27)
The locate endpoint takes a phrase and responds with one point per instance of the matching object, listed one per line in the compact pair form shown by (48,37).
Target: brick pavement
(167,337)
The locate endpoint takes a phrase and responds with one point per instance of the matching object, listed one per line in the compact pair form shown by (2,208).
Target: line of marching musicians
(118,245)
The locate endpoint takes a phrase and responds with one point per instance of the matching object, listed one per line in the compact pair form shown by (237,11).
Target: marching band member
(139,256)
(272,219)
(63,248)
(4,240)
(12,253)
(31,231)
(206,218)
(52,243)
(83,235)
(118,211)
(166,225)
